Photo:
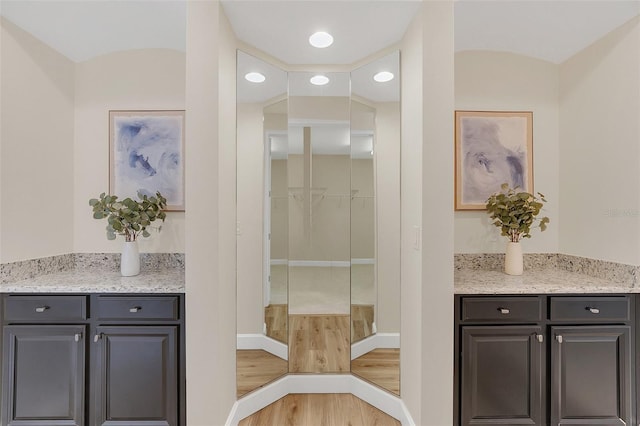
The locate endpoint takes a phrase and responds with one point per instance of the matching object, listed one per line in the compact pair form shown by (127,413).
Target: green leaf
(128,217)
(515,211)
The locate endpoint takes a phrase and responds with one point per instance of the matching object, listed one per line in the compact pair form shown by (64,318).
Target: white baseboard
(375,341)
(260,341)
(320,383)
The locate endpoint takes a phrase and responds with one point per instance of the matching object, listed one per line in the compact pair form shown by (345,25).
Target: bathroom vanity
(549,347)
(110,352)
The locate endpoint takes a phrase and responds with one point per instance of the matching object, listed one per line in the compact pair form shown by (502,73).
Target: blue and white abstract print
(147,156)
(494,151)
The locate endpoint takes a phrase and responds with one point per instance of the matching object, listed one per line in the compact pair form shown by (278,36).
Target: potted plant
(515,213)
(130,218)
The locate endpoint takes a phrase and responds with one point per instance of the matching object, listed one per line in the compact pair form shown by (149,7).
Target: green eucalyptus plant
(129,217)
(515,212)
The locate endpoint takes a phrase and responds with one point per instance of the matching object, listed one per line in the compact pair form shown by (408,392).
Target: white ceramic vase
(130,259)
(513,259)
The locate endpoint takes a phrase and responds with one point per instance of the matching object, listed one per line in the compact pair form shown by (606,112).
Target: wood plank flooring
(361,322)
(381,367)
(256,368)
(275,316)
(319,344)
(319,410)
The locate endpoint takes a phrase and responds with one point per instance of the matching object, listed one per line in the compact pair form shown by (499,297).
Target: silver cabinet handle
(559,338)
(77,337)
(97,337)
(593,310)
(504,311)
(41,309)
(540,338)
(135,309)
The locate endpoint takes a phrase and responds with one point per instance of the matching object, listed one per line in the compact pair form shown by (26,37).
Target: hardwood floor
(319,344)
(256,368)
(319,410)
(361,322)
(380,367)
(275,316)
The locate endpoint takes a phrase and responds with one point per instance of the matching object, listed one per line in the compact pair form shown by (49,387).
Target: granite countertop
(537,281)
(100,281)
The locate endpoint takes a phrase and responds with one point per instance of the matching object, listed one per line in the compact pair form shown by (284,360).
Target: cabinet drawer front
(45,308)
(501,309)
(147,308)
(591,309)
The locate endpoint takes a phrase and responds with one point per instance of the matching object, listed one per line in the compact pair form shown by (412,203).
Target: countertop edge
(99,281)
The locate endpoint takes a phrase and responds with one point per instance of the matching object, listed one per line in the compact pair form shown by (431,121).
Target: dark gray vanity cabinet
(500,361)
(501,375)
(44,360)
(44,375)
(93,360)
(591,377)
(136,376)
(137,360)
(544,360)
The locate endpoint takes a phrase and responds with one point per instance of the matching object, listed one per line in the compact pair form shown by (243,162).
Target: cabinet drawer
(45,308)
(591,309)
(147,308)
(501,309)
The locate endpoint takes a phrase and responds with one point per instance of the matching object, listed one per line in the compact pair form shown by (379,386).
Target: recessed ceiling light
(383,76)
(255,77)
(321,39)
(319,80)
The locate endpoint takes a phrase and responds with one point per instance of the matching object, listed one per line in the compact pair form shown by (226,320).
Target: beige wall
(131,80)
(495,81)
(36,154)
(600,149)
(210,230)
(427,268)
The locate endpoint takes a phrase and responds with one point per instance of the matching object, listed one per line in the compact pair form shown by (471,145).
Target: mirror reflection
(276,223)
(319,208)
(319,173)
(375,288)
(261,209)
(363,232)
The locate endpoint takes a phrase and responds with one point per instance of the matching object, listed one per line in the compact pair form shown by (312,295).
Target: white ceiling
(553,30)
(282,28)
(84,29)
(547,29)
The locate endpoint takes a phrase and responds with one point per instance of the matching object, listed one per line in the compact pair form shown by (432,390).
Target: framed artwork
(146,154)
(491,148)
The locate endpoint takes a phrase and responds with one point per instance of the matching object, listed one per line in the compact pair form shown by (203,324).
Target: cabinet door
(136,376)
(501,375)
(591,375)
(43,375)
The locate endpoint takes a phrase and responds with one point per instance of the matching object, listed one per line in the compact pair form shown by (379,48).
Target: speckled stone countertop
(539,281)
(100,281)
